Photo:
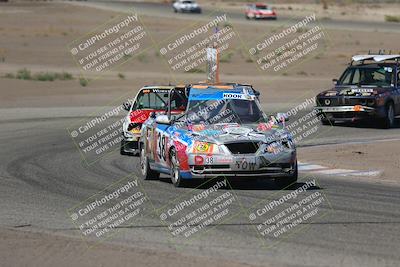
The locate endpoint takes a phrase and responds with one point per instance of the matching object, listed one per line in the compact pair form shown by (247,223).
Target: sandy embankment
(382,155)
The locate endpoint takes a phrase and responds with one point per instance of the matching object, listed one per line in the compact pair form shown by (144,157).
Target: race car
(223,133)
(149,101)
(369,89)
(260,11)
(189,6)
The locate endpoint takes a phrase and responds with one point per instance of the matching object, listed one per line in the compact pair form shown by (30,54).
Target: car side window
(346,77)
(356,76)
(398,78)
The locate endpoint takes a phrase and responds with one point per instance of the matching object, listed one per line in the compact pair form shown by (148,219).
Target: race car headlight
(288,143)
(278,146)
(134,127)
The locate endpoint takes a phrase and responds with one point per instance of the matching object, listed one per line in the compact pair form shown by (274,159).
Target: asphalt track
(42,175)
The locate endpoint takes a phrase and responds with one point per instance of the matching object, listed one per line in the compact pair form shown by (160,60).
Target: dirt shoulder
(21,248)
(381,155)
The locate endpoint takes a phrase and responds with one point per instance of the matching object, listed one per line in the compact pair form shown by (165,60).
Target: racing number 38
(161,146)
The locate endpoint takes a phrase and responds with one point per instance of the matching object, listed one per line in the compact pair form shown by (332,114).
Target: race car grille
(243,147)
(345,101)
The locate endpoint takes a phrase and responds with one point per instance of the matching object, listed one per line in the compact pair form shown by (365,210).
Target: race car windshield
(261,7)
(158,100)
(224,111)
(377,76)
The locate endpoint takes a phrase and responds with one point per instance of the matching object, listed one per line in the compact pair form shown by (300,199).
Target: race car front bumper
(191,9)
(266,165)
(264,16)
(349,113)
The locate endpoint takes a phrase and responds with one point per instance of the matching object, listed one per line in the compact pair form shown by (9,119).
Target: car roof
(219,86)
(373,65)
(375,57)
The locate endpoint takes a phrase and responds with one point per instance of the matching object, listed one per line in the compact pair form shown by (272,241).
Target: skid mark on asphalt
(319,169)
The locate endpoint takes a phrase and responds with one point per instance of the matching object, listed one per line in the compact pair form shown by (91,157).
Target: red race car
(149,101)
(260,11)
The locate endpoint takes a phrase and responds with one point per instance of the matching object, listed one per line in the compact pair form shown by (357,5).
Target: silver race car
(222,133)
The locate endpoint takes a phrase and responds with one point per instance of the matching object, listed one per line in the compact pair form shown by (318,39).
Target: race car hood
(354,91)
(233,132)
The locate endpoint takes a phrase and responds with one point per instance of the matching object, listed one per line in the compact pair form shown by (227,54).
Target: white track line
(319,169)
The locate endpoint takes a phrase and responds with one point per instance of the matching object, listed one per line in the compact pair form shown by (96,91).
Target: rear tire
(176,177)
(145,170)
(388,121)
(284,182)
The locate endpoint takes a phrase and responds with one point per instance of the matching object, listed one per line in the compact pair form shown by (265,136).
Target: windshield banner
(212,94)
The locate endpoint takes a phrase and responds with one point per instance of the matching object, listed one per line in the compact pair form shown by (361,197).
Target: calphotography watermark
(283,215)
(289,45)
(187,51)
(111,44)
(102,132)
(102,214)
(193,213)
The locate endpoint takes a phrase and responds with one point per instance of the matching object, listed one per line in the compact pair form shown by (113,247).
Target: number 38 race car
(223,132)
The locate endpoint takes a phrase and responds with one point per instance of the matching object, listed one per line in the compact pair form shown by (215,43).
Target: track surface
(41,176)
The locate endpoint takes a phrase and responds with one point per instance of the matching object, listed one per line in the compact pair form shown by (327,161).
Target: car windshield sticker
(215,94)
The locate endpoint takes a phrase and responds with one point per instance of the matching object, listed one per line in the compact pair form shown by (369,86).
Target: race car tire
(284,182)
(388,121)
(122,149)
(327,122)
(145,170)
(175,10)
(176,177)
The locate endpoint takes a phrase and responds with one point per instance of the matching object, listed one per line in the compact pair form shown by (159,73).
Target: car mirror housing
(282,117)
(334,81)
(163,119)
(126,106)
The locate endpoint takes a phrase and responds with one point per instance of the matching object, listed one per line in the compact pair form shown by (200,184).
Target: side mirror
(126,106)
(163,119)
(152,115)
(282,117)
(334,81)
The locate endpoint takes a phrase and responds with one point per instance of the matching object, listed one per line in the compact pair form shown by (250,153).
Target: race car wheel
(146,171)
(175,10)
(122,149)
(388,121)
(175,172)
(327,122)
(284,182)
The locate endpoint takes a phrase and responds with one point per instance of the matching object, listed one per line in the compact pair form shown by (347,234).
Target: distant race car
(260,11)
(369,89)
(223,133)
(149,101)
(189,6)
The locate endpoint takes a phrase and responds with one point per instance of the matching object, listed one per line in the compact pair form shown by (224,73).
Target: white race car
(189,6)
